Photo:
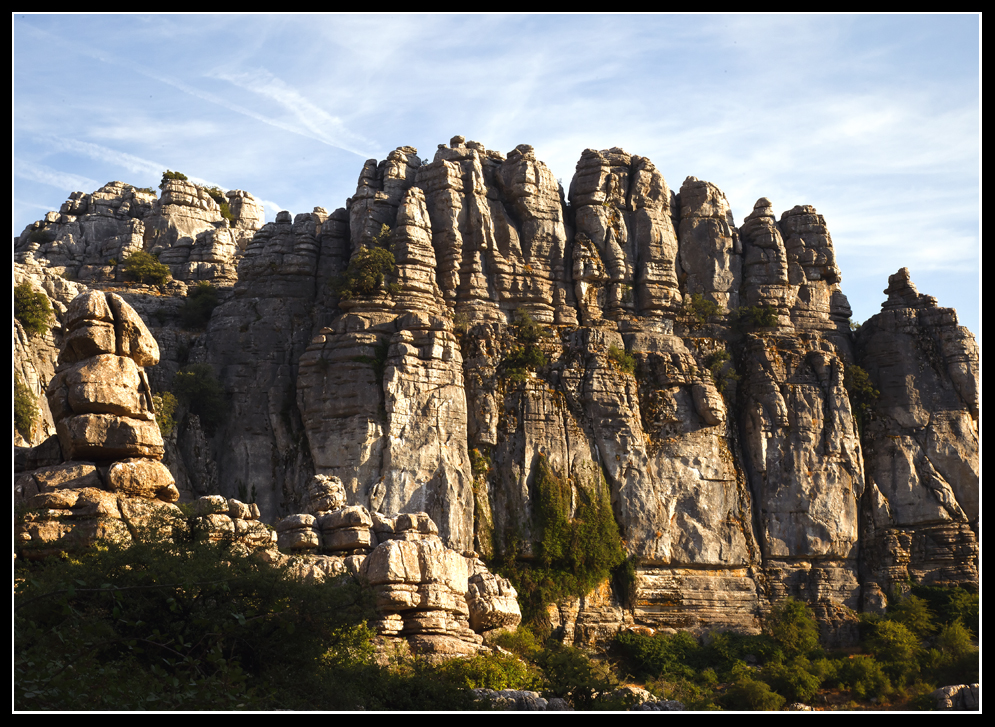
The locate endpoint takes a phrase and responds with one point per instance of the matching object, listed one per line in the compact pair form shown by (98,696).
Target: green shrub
(165,408)
(754,316)
(861,392)
(368,269)
(793,626)
(624,362)
(572,675)
(144,267)
(32,309)
(723,373)
(168,175)
(795,680)
(492,671)
(671,656)
(26,411)
(698,310)
(913,613)
(480,462)
(527,356)
(749,693)
(196,386)
(522,642)
(951,604)
(199,304)
(862,675)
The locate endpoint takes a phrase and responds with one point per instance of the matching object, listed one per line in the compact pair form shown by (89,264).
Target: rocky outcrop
(102,407)
(921,442)
(92,234)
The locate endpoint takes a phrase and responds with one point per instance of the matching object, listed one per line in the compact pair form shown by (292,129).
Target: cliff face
(635,341)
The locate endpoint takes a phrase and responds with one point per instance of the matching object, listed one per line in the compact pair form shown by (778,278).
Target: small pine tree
(144,267)
(32,309)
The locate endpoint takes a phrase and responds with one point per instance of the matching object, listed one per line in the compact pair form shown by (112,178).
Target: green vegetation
(746,318)
(144,267)
(197,308)
(572,555)
(720,367)
(906,655)
(526,356)
(218,195)
(698,310)
(147,190)
(196,625)
(165,407)
(197,388)
(861,392)
(168,175)
(378,360)
(624,362)
(26,410)
(480,462)
(32,309)
(368,270)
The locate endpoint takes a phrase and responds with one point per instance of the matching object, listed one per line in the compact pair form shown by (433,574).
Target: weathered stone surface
(146,478)
(959,697)
(492,600)
(921,441)
(710,248)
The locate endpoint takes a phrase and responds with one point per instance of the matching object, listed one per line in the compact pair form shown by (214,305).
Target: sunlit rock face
(464,323)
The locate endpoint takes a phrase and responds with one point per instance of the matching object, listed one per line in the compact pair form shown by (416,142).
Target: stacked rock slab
(436,599)
(922,452)
(104,418)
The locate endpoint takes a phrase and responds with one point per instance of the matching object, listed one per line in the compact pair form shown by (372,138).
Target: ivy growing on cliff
(526,356)
(573,554)
(26,410)
(862,393)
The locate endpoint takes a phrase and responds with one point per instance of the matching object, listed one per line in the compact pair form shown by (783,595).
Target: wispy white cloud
(53,177)
(317,122)
(104,154)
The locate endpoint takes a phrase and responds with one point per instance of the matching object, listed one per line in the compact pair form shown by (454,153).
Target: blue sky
(874,120)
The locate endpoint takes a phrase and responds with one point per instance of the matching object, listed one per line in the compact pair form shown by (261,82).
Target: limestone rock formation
(463,333)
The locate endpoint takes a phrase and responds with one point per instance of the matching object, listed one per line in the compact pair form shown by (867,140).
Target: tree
(32,309)
(144,267)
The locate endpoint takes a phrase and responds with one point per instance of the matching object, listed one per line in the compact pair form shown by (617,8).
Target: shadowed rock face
(513,327)
(921,441)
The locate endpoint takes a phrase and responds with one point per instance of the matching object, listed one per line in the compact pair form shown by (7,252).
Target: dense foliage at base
(190,624)
(904,655)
